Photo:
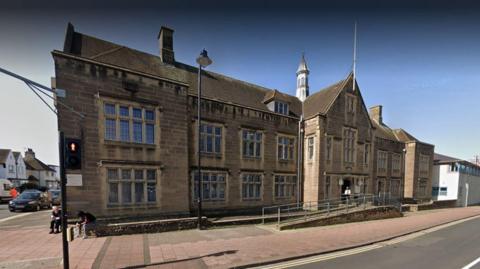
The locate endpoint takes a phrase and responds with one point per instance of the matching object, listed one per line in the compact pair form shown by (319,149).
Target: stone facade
(140,138)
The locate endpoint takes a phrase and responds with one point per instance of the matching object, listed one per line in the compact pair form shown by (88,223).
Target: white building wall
(473,196)
(21,168)
(444,178)
(10,166)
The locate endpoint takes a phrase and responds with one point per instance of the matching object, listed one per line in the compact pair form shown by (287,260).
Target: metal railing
(306,210)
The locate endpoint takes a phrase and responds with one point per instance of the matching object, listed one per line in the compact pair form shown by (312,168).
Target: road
(452,247)
(23,219)
(4,213)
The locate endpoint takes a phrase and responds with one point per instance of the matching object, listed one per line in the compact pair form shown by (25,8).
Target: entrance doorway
(346,183)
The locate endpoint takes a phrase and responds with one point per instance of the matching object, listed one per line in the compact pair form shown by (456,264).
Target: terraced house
(140,139)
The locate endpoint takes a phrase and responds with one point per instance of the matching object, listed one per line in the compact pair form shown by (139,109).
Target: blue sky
(420,62)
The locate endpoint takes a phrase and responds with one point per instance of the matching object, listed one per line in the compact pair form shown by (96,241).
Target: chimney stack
(29,154)
(165,42)
(376,113)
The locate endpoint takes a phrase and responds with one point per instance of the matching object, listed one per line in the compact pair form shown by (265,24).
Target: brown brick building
(140,138)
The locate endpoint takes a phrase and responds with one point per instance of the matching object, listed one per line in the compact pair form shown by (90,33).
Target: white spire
(302,79)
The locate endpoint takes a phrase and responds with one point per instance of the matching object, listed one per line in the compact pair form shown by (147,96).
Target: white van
(5,187)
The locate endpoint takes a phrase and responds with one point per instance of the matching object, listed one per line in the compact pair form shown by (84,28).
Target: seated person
(56,220)
(87,222)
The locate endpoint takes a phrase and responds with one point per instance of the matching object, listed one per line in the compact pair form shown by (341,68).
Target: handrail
(294,211)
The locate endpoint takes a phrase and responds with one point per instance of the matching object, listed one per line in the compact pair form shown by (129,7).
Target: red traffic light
(73,147)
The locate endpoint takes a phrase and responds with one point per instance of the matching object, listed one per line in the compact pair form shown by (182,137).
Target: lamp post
(203,61)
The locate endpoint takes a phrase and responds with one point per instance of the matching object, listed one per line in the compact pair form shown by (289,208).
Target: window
(252,186)
(131,124)
(137,132)
(395,187)
(124,130)
(213,186)
(137,113)
(131,186)
(349,141)
(149,115)
(285,186)
(396,166)
(110,110)
(110,129)
(350,104)
(281,108)
(424,164)
(210,139)
(124,111)
(382,161)
(285,148)
(366,155)
(422,187)
(327,187)
(150,133)
(311,142)
(329,148)
(252,143)
(11,168)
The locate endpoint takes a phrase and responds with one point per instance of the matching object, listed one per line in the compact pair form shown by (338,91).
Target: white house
(39,171)
(455,180)
(7,164)
(20,170)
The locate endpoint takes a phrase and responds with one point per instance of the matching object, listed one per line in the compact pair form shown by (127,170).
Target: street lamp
(203,61)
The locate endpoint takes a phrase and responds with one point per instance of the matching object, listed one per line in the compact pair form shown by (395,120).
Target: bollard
(263,215)
(278,218)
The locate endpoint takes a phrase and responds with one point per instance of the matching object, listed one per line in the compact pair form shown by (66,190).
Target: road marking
(338,254)
(16,216)
(470,265)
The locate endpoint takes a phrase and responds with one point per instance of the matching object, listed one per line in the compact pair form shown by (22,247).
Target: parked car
(55,196)
(30,200)
(5,187)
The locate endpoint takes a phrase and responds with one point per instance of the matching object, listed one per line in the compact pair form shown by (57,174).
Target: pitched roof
(383,131)
(36,164)
(16,154)
(321,101)
(444,158)
(4,155)
(404,136)
(215,86)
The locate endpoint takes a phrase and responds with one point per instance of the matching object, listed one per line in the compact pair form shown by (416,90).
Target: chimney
(376,113)
(29,154)
(165,42)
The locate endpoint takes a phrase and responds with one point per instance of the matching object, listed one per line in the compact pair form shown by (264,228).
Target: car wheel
(38,208)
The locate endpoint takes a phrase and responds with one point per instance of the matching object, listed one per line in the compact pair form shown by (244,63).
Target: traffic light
(73,154)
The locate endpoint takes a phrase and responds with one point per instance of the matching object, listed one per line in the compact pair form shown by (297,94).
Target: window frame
(380,160)
(349,145)
(204,136)
(136,114)
(132,179)
(257,186)
(256,141)
(311,148)
(209,182)
(287,151)
(286,186)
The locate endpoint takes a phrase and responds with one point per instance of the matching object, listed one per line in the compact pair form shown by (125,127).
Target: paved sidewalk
(216,248)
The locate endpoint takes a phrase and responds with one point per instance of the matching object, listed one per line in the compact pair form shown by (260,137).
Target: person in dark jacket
(56,220)
(87,222)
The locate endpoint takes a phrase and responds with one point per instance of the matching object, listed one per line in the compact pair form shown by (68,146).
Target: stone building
(140,138)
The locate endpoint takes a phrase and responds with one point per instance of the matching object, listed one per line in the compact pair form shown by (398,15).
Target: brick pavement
(220,248)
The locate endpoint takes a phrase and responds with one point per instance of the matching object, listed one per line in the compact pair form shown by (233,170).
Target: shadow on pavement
(183,260)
